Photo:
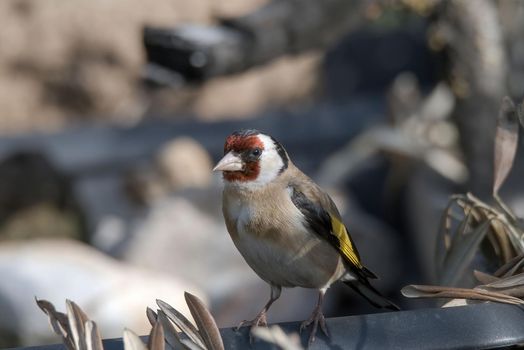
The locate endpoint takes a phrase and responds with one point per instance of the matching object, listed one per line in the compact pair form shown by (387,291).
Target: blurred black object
(191,53)
(368,60)
(37,199)
(196,53)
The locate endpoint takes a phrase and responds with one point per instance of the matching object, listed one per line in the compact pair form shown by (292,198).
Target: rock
(180,164)
(112,294)
(184,163)
(177,238)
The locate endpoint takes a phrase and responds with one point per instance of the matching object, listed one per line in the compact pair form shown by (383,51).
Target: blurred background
(112,115)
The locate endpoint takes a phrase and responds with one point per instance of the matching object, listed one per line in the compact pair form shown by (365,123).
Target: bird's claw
(317,319)
(259,321)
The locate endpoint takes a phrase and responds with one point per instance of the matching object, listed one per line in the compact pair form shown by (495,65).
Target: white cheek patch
(270,164)
(270,161)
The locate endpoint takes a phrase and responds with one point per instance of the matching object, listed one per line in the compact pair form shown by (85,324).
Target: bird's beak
(230,162)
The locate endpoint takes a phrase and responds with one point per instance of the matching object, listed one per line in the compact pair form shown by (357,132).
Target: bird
(287,229)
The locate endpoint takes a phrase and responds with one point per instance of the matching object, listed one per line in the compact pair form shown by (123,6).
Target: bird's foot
(316,319)
(259,321)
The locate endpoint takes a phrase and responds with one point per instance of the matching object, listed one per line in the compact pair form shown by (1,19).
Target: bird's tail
(364,288)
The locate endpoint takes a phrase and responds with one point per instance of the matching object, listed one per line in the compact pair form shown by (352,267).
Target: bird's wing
(323,218)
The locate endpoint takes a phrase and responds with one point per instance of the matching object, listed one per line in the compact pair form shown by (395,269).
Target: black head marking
(282,153)
(246,132)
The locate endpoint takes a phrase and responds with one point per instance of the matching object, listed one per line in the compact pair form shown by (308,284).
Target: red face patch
(249,173)
(239,144)
(242,145)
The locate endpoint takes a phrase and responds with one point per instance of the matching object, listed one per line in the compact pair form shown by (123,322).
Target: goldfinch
(286,227)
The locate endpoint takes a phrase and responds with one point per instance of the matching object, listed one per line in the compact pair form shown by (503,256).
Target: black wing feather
(319,221)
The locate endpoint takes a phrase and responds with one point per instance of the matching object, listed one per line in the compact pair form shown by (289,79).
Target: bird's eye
(256,152)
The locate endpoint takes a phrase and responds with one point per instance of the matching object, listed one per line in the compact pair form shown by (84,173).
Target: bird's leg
(316,318)
(260,319)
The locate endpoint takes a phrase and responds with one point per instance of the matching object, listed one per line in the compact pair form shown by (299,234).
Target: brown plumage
(309,262)
(287,229)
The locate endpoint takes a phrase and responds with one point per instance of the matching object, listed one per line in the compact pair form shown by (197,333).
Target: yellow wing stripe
(346,247)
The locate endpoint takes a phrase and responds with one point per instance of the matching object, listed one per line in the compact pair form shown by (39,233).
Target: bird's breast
(275,242)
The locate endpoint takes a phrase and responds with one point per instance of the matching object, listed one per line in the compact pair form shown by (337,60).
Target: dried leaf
(484,278)
(516,291)
(461,254)
(77,319)
(56,319)
(421,291)
(151,316)
(156,337)
(58,322)
(463,227)
(510,267)
(275,335)
(481,214)
(506,140)
(170,333)
(518,266)
(512,285)
(93,339)
(132,341)
(511,281)
(500,240)
(442,234)
(181,322)
(516,235)
(505,208)
(205,322)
